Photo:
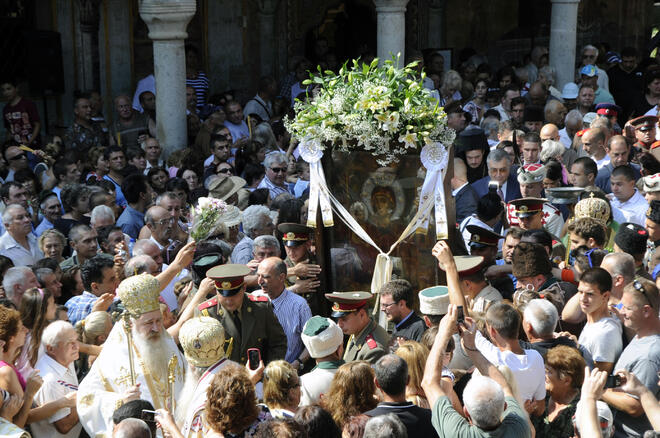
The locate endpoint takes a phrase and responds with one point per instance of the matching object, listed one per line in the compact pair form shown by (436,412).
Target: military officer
(302,270)
(249,320)
(530,213)
(368,341)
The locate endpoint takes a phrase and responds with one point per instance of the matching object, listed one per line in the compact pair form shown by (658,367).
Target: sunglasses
(278,169)
(17,157)
(225,170)
(640,288)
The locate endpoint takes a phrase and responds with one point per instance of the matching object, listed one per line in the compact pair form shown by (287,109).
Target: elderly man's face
(508,96)
(155,253)
(276,172)
(52,209)
(260,253)
(20,224)
(163,225)
(149,325)
(172,205)
(499,171)
(152,150)
(52,284)
(83,110)
(269,280)
(16,158)
(67,349)
(123,107)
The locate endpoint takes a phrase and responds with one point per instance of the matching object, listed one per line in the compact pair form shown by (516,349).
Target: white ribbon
(312,152)
(434,157)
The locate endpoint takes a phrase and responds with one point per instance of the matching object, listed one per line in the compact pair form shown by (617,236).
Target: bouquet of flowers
(205,217)
(382,109)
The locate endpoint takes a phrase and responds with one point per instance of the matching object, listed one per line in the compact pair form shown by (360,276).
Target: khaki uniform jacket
(370,344)
(259,328)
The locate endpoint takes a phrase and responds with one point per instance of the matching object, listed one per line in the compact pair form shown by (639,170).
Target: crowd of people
(114,321)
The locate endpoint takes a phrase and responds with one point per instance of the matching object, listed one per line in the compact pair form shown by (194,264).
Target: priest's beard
(155,354)
(186,395)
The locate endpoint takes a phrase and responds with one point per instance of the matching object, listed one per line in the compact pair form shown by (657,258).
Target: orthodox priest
(203,340)
(157,371)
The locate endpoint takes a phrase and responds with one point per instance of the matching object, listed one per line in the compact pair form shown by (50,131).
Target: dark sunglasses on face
(278,169)
(17,157)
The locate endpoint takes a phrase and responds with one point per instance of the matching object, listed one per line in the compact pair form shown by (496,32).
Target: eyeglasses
(167,221)
(640,288)
(17,157)
(225,170)
(386,306)
(278,169)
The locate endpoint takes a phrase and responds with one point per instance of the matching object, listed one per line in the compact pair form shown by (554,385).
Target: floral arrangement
(382,109)
(205,217)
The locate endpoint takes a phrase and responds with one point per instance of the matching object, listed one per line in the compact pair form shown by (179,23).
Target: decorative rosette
(434,157)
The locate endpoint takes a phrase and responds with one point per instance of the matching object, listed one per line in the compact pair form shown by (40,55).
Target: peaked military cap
(294,234)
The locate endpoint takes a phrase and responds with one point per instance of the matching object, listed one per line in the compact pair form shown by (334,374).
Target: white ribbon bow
(312,152)
(434,157)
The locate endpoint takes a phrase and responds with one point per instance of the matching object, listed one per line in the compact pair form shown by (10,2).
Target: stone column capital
(267,7)
(167,19)
(390,6)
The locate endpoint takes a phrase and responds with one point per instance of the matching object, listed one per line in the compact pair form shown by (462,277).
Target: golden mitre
(202,339)
(139,294)
(596,208)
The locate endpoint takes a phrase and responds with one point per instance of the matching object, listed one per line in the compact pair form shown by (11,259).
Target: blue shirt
(119,195)
(131,221)
(43,226)
(292,312)
(80,306)
(242,252)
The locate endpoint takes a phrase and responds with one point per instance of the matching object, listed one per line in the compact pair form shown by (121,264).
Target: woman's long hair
(34,305)
(351,392)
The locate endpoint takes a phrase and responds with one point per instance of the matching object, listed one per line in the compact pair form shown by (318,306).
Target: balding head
(538,93)
(148,247)
(460,170)
(550,132)
(555,112)
(123,106)
(132,428)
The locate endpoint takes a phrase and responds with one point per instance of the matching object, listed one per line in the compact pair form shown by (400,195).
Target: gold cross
(124,377)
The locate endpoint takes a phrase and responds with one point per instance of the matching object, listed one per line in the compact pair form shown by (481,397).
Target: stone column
(167,21)
(436,34)
(563,26)
(267,37)
(89,45)
(391,33)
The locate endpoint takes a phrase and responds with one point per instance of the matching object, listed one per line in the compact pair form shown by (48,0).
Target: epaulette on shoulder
(371,342)
(208,303)
(258,298)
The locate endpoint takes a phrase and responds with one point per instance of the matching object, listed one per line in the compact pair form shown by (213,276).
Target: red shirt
(19,120)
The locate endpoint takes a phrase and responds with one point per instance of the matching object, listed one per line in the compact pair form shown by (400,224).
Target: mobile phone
(493,187)
(148,416)
(460,318)
(613,381)
(254,357)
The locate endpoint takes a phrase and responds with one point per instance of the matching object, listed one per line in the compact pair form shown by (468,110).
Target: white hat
(322,336)
(570,91)
(434,300)
(588,118)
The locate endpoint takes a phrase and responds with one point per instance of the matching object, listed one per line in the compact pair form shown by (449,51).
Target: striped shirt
(201,85)
(292,312)
(274,190)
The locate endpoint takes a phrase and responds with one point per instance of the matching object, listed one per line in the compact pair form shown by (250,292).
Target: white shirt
(503,114)
(602,162)
(528,368)
(18,254)
(58,382)
(603,339)
(168,294)
(634,209)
